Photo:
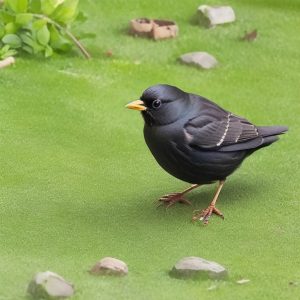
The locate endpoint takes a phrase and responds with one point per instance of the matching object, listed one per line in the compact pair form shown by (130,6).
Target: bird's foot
(170,199)
(205,214)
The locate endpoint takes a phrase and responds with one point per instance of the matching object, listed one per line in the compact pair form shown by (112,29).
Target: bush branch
(67,32)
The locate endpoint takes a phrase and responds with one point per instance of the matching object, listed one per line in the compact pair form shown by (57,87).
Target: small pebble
(109,266)
(49,285)
(243,281)
(7,62)
(197,267)
(202,60)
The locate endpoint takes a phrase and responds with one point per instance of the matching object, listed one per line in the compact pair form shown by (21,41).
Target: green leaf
(58,41)
(27,49)
(43,35)
(6,17)
(35,6)
(66,12)
(48,51)
(5,52)
(4,49)
(18,6)
(81,17)
(2,31)
(11,27)
(48,6)
(12,40)
(23,19)
(28,40)
(39,24)
(10,52)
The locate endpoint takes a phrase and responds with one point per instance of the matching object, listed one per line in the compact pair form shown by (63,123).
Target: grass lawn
(77,181)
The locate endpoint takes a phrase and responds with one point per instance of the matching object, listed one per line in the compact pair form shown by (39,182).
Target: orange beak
(137,105)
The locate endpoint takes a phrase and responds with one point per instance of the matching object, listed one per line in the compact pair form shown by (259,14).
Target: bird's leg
(205,214)
(170,199)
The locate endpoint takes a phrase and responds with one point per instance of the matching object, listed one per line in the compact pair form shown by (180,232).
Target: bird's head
(161,104)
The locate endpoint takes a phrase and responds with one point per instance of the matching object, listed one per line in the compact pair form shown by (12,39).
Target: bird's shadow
(146,210)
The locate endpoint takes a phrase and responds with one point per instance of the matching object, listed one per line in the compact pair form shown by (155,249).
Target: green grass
(77,181)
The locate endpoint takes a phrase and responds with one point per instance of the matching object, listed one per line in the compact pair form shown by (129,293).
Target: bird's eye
(156,104)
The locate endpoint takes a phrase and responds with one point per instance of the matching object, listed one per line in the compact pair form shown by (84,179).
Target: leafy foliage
(39,26)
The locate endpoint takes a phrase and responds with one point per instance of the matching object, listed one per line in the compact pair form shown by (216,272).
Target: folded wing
(224,131)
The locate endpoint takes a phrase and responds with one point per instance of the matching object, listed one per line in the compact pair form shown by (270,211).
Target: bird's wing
(221,130)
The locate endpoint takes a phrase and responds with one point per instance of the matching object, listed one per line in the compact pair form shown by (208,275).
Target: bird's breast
(163,142)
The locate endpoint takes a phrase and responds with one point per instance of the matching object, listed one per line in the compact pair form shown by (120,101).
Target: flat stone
(109,266)
(215,15)
(199,59)
(198,268)
(49,285)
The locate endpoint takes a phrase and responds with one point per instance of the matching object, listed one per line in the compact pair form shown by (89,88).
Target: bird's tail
(269,134)
(271,130)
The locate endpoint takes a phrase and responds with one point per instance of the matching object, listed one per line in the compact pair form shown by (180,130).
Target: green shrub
(39,26)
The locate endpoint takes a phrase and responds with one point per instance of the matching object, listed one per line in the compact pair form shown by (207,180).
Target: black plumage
(197,141)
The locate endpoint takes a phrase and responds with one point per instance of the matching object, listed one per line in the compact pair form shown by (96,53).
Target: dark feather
(222,129)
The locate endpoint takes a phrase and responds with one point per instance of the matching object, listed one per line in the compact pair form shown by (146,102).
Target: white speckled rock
(199,59)
(197,267)
(49,285)
(109,266)
(215,15)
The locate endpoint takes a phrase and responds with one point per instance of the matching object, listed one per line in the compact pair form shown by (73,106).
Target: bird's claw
(205,214)
(170,199)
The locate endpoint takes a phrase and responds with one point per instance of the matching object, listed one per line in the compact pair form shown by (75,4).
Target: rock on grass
(202,60)
(49,285)
(109,266)
(198,268)
(211,16)
(7,62)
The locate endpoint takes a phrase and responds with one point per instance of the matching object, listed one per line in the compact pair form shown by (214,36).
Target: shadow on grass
(140,209)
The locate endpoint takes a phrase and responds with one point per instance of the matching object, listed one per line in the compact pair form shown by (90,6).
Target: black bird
(196,140)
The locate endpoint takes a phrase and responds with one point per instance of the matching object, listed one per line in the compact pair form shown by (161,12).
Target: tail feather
(271,130)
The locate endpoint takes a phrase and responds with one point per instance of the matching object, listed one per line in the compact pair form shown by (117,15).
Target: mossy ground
(77,181)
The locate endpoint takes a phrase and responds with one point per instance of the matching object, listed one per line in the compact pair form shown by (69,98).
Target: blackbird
(197,141)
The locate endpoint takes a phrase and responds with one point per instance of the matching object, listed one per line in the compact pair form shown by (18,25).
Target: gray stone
(109,266)
(49,285)
(215,15)
(199,59)
(198,268)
